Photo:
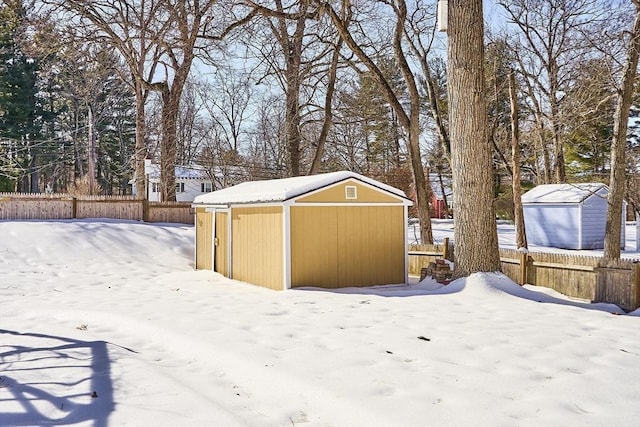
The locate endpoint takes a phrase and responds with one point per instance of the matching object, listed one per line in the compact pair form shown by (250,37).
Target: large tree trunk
(420,179)
(619,145)
(170,105)
(518,213)
(292,49)
(141,149)
(292,122)
(475,233)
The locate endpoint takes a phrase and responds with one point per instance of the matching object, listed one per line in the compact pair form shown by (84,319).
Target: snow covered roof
(278,190)
(563,193)
(182,172)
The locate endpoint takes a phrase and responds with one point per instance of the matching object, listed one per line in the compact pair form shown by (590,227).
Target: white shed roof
(278,190)
(562,193)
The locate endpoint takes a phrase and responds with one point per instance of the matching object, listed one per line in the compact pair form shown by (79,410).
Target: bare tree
(133,28)
(619,144)
(158,40)
(300,53)
(227,101)
(267,156)
(551,40)
(419,32)
(518,213)
(192,129)
(188,19)
(408,115)
(471,159)
(328,108)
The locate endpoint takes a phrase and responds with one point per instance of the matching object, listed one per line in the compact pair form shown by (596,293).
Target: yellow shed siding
(257,247)
(341,246)
(337,194)
(221,257)
(204,239)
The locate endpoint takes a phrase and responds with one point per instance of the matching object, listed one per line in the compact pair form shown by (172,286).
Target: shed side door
(204,238)
(257,248)
(221,242)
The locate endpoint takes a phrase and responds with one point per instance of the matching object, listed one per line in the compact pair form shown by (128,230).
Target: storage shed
(568,216)
(331,230)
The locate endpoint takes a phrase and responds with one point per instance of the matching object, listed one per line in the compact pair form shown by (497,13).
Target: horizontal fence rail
(19,206)
(581,277)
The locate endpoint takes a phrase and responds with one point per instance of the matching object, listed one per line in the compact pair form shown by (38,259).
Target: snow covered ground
(106,323)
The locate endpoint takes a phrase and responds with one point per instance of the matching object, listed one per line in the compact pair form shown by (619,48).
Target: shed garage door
(342,246)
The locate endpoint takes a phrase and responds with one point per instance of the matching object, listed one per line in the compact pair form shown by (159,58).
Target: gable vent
(351,192)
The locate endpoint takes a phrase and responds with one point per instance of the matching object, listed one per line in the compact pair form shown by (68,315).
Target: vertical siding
(552,225)
(222,248)
(594,218)
(314,249)
(204,239)
(342,246)
(337,194)
(257,246)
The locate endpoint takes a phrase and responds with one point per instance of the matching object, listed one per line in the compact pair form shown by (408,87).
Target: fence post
(523,257)
(145,210)
(636,284)
(74,207)
(445,252)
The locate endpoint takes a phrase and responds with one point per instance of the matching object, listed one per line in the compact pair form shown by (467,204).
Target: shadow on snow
(56,380)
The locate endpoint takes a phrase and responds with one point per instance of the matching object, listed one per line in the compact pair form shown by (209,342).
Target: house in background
(568,216)
(331,230)
(438,207)
(191,181)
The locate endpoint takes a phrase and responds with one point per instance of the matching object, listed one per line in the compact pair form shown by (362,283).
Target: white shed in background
(568,216)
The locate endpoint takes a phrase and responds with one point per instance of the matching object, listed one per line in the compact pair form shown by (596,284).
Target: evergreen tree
(19,106)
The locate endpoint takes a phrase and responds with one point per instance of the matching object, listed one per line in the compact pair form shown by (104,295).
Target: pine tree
(19,107)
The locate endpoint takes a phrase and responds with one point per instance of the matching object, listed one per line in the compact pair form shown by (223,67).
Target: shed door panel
(204,240)
(257,249)
(342,246)
(221,258)
(549,225)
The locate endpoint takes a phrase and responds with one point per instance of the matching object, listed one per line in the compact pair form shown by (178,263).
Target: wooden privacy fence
(582,277)
(19,206)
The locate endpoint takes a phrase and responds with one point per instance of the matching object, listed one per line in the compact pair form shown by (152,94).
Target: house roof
(182,172)
(563,193)
(278,190)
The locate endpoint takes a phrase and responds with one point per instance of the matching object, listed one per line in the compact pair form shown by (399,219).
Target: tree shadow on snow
(477,286)
(54,380)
